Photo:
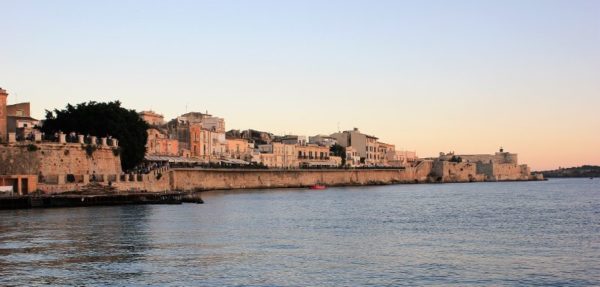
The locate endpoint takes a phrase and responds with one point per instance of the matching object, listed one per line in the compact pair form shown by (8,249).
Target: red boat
(318,187)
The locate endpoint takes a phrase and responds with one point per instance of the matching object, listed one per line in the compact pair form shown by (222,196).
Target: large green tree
(103,120)
(338,150)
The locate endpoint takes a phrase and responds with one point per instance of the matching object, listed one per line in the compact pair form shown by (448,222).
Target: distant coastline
(574,172)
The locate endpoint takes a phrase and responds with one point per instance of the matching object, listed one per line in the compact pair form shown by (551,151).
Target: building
(489,167)
(365,145)
(312,152)
(384,152)
(313,155)
(20,122)
(15,119)
(214,124)
(352,157)
(254,136)
(293,140)
(322,140)
(160,144)
(402,158)
(278,155)
(3,116)
(500,157)
(199,141)
(239,149)
(200,135)
(152,118)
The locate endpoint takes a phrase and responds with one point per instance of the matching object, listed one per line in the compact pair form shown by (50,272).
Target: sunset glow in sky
(430,76)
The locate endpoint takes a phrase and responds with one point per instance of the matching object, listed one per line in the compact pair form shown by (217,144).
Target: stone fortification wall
(511,172)
(499,158)
(56,159)
(444,171)
(16,160)
(57,167)
(156,181)
(53,159)
(203,179)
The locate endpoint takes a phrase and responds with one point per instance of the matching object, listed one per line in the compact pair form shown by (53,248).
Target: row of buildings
(202,138)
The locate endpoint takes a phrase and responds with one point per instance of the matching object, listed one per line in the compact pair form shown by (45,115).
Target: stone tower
(3,121)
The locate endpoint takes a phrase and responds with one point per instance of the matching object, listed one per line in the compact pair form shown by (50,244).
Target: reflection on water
(534,233)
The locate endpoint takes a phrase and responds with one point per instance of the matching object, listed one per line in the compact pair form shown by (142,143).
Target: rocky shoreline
(84,200)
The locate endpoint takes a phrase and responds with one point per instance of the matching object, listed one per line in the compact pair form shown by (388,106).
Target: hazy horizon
(430,76)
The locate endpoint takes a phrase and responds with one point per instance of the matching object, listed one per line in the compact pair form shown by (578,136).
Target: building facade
(152,118)
(160,144)
(278,155)
(239,149)
(3,116)
(365,145)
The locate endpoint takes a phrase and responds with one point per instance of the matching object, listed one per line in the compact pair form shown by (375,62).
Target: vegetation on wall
(456,159)
(90,149)
(103,120)
(32,148)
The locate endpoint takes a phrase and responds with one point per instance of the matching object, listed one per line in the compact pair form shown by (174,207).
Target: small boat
(318,187)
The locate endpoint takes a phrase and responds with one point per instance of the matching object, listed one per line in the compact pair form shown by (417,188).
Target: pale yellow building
(238,149)
(278,155)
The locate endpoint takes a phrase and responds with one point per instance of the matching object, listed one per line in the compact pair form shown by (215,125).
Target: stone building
(160,144)
(200,135)
(365,145)
(312,155)
(352,157)
(152,118)
(239,149)
(323,140)
(402,158)
(491,167)
(293,140)
(278,155)
(3,116)
(19,120)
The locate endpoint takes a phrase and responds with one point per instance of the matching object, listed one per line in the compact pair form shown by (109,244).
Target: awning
(235,161)
(172,159)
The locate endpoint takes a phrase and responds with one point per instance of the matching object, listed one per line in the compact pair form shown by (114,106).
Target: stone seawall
(425,172)
(207,179)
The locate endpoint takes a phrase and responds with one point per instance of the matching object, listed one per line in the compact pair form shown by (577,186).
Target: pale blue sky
(429,76)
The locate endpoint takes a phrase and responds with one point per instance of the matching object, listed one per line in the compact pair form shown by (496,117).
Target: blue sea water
(476,234)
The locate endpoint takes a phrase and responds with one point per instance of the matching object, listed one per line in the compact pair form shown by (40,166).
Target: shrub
(90,149)
(117,151)
(32,148)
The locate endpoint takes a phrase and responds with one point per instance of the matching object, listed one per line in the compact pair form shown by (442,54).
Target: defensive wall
(209,179)
(71,164)
(55,167)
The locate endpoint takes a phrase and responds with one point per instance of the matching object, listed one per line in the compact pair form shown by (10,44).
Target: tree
(457,159)
(338,150)
(103,120)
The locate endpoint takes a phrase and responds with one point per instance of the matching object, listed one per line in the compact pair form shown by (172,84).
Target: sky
(428,76)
